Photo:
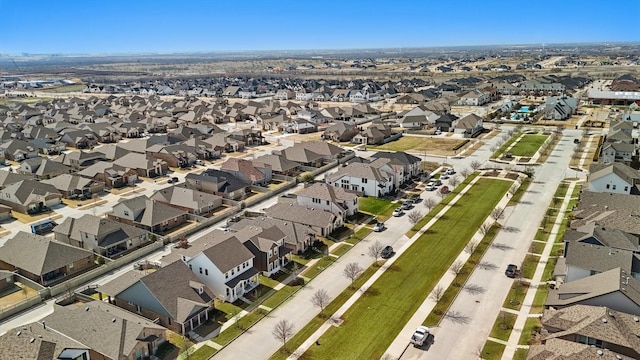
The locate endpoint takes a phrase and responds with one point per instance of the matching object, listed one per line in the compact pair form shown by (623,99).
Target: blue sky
(117,26)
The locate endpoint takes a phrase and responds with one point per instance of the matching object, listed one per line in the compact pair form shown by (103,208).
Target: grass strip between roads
(528,145)
(396,295)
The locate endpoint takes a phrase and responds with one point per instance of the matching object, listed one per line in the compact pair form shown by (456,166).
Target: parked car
(438,182)
(398,212)
(387,252)
(431,187)
(407,205)
(444,176)
(173,180)
(450,171)
(509,156)
(414,198)
(511,271)
(379,227)
(420,336)
(199,162)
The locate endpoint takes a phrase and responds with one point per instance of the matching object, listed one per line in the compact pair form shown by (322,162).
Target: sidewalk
(523,314)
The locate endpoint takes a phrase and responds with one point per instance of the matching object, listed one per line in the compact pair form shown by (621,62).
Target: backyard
(396,295)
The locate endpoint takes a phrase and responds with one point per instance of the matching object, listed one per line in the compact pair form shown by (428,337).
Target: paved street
(461,337)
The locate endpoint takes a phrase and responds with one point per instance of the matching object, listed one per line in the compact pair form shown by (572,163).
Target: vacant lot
(430,145)
(397,294)
(528,145)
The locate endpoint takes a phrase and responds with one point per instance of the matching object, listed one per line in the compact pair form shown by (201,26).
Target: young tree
(471,247)
(475,164)
(352,271)
(454,181)
(497,213)
(492,148)
(465,172)
(429,203)
(484,229)
(320,298)
(414,216)
(456,267)
(283,331)
(375,250)
(437,293)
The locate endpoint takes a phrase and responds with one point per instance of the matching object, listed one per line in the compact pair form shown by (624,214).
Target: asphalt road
(460,337)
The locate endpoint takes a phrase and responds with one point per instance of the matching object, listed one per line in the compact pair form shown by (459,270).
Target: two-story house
(336,200)
(618,152)
(147,214)
(364,178)
(251,171)
(614,177)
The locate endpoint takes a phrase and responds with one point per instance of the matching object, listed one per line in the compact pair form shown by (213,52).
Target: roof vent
(635,318)
(18,333)
(618,357)
(604,320)
(599,352)
(113,320)
(32,340)
(86,308)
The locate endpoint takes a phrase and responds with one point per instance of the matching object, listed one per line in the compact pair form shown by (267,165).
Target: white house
(617,152)
(475,97)
(221,262)
(616,178)
(337,200)
(364,178)
(303,95)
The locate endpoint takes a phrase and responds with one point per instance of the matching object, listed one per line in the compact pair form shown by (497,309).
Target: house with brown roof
(43,168)
(103,236)
(217,182)
(36,341)
(251,171)
(222,262)
(618,211)
(147,214)
(172,295)
(42,259)
(189,200)
(145,164)
(30,196)
(321,221)
(596,326)
(341,131)
(74,186)
(365,178)
(470,125)
(114,176)
(298,237)
(279,164)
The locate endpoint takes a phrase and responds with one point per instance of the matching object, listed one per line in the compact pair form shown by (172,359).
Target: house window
(226,275)
(206,272)
(200,270)
(614,186)
(71,266)
(354,187)
(126,213)
(190,267)
(626,188)
(327,202)
(364,181)
(169,320)
(316,201)
(130,303)
(608,186)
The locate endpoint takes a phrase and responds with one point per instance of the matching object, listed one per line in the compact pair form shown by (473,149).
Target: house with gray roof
(607,209)
(112,175)
(298,237)
(251,171)
(189,200)
(364,178)
(221,261)
(18,150)
(36,341)
(74,186)
(559,108)
(108,331)
(341,202)
(618,152)
(599,327)
(279,164)
(554,348)
(30,196)
(172,295)
(145,164)
(103,236)
(341,131)
(615,177)
(43,259)
(217,182)
(147,214)
(43,168)
(321,221)
(470,125)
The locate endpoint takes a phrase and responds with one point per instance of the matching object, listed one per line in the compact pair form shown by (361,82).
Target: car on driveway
(387,252)
(407,205)
(398,212)
(511,271)
(379,227)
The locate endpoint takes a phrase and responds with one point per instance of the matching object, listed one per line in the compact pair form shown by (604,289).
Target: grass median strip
(528,145)
(396,295)
(492,350)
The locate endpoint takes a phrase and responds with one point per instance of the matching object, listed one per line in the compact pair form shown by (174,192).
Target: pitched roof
(295,233)
(325,191)
(558,349)
(153,213)
(301,214)
(625,172)
(468,122)
(68,182)
(606,209)
(401,156)
(185,197)
(39,254)
(33,341)
(359,170)
(597,258)
(278,163)
(27,190)
(108,232)
(228,254)
(105,328)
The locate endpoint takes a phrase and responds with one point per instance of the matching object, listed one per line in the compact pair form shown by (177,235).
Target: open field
(528,145)
(395,296)
(430,145)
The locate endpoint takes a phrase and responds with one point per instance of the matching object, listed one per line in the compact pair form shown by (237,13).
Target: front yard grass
(280,296)
(318,267)
(515,199)
(396,295)
(521,354)
(531,326)
(341,250)
(516,295)
(537,307)
(203,353)
(502,327)
(529,266)
(528,145)
(376,206)
(242,324)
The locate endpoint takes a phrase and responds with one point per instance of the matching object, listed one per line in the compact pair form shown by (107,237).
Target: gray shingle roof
(104,229)
(185,198)
(228,254)
(39,254)
(47,343)
(359,170)
(301,214)
(619,211)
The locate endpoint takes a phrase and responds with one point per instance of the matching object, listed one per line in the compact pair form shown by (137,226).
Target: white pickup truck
(420,336)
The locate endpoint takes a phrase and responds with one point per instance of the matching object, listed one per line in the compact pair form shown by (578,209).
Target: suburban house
(172,295)
(418,117)
(405,166)
(608,210)
(147,214)
(604,236)
(321,221)
(475,97)
(106,330)
(375,134)
(113,176)
(336,200)
(35,341)
(73,186)
(43,168)
(614,177)
(103,236)
(18,150)
(145,164)
(363,178)
(470,125)
(411,98)
(217,182)
(279,164)
(298,237)
(79,160)
(7,281)
(189,200)
(618,152)
(30,196)
(43,259)
(598,327)
(559,108)
(222,262)
(267,245)
(340,131)
(251,171)
(312,152)
(536,88)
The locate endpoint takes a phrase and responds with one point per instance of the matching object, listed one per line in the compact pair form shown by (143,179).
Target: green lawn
(548,269)
(529,266)
(516,295)
(203,353)
(503,325)
(521,354)
(396,295)
(376,206)
(531,326)
(528,145)
(243,323)
(536,247)
(515,199)
(506,145)
(318,267)
(341,250)
(492,351)
(279,296)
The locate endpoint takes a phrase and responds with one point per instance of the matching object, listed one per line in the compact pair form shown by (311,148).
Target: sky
(163,26)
